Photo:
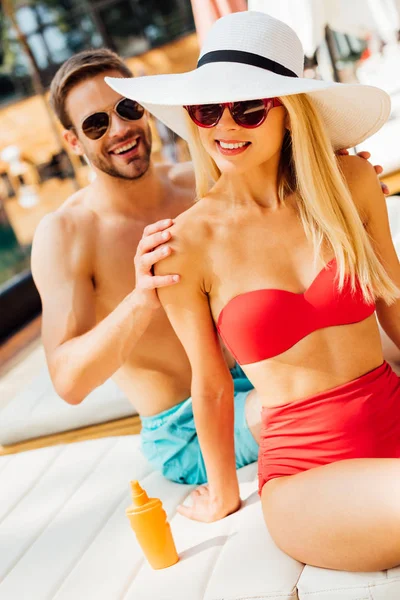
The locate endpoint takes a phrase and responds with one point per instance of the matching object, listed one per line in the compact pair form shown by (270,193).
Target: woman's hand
(206,508)
(378,168)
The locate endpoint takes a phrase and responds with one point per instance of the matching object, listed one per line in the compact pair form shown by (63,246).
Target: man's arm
(80,354)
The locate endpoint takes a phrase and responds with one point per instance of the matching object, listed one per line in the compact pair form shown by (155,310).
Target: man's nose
(117,125)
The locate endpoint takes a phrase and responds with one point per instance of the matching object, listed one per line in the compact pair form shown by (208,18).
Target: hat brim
(351,112)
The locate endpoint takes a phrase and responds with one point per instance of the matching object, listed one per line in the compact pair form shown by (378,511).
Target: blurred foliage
(13,257)
(6,55)
(56,12)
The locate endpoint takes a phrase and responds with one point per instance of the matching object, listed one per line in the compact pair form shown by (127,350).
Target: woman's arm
(187,307)
(367,194)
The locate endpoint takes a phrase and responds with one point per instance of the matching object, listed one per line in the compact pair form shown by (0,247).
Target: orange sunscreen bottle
(153,532)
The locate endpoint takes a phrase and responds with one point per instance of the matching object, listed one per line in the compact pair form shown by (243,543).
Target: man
(92,263)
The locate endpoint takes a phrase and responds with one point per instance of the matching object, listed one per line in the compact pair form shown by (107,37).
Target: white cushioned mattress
(64,536)
(37,410)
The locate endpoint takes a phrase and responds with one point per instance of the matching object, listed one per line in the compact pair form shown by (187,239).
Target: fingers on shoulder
(180,253)
(157,226)
(173,261)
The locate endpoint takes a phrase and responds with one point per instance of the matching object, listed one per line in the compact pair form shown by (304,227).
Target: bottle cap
(139,496)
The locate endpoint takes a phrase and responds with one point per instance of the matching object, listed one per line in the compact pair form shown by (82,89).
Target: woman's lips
(232,151)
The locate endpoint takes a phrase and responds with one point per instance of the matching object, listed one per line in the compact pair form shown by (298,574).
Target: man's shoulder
(76,206)
(74,210)
(181,174)
(62,226)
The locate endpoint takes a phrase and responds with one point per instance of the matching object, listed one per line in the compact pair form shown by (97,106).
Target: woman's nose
(226,121)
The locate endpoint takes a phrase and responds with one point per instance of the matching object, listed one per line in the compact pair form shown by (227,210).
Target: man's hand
(205,508)
(151,249)
(378,168)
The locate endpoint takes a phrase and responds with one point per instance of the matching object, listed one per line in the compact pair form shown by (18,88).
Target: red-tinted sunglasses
(246,113)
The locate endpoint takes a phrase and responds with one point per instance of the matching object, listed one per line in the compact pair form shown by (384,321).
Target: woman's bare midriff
(323,360)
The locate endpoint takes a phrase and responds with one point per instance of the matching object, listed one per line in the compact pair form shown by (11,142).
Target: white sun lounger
(38,411)
(64,536)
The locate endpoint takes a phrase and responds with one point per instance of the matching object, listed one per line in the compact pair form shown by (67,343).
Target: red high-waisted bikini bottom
(359,419)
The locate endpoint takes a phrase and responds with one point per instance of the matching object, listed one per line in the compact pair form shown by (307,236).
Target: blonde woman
(288,256)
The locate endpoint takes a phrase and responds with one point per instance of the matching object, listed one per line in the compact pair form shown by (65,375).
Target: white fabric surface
(38,410)
(64,536)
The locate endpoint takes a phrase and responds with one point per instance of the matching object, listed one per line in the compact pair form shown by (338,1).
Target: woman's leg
(345,515)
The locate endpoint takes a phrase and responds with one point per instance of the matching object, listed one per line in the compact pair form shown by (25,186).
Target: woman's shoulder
(190,244)
(199,222)
(362,180)
(356,170)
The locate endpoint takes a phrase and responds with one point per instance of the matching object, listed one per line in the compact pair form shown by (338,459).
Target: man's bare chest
(115,247)
(114,267)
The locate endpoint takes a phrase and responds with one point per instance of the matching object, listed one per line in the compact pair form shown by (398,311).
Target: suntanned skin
(92,263)
(83,264)
(344,515)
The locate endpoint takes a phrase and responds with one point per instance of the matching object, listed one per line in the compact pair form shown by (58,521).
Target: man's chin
(128,176)
(134,170)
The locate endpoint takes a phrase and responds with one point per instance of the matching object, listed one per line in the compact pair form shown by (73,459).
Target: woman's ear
(73,142)
(287,122)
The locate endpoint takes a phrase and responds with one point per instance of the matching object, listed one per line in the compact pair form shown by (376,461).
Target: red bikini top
(264,323)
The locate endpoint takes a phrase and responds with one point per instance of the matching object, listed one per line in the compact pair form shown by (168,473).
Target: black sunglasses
(96,125)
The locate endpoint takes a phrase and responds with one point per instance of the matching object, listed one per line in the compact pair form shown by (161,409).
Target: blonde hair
(309,167)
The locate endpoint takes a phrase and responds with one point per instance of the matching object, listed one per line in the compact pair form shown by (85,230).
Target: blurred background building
(57,29)
(36,172)
(344,40)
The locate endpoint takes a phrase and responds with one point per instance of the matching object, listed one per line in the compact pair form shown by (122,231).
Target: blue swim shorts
(169,439)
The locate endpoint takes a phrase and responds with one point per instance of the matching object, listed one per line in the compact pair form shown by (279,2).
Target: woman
(289,254)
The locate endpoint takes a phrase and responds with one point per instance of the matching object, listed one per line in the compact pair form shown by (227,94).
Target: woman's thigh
(345,515)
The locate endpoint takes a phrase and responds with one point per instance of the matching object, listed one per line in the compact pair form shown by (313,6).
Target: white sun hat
(251,55)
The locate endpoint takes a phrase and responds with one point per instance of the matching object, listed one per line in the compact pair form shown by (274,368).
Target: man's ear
(73,142)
